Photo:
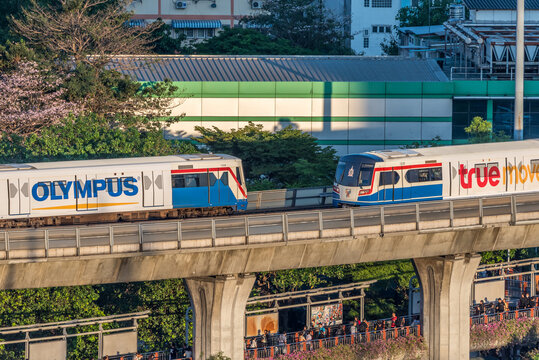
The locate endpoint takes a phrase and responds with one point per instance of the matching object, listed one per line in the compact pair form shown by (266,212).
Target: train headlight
(336,189)
(363,192)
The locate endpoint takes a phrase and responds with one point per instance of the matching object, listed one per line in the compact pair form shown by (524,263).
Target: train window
(365,174)
(424,175)
(238,175)
(213,179)
(224,178)
(178,181)
(534,168)
(411,176)
(192,180)
(436,174)
(389,178)
(340,172)
(480,170)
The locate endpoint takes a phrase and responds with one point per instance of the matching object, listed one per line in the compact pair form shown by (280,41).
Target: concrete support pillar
(445,306)
(219,309)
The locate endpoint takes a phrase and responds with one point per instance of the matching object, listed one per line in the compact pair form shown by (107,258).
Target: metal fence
(369,336)
(289,198)
(268,228)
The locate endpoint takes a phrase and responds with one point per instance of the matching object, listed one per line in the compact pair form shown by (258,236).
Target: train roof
(492,149)
(172,159)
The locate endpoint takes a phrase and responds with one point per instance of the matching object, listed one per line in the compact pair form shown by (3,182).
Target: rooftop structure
(278,68)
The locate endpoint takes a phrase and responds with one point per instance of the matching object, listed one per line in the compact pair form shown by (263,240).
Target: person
(481,307)
(264,339)
(353,329)
(416,321)
(282,343)
(505,305)
(499,306)
(529,302)
(188,352)
(362,327)
(522,301)
(309,339)
(393,320)
(301,338)
(403,322)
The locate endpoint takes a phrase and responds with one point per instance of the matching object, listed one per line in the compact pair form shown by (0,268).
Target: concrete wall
(239,259)
(351,117)
(228,11)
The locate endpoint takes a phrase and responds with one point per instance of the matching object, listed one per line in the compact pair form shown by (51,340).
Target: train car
(76,192)
(410,175)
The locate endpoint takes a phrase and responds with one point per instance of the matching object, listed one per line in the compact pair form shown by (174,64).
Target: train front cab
(367,180)
(353,178)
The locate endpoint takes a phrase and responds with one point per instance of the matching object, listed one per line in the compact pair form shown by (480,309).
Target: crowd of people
(501,305)
(309,335)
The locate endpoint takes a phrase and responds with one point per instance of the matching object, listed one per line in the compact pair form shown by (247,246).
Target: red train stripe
(190,171)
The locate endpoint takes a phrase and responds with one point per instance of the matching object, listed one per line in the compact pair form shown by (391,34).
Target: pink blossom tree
(31,99)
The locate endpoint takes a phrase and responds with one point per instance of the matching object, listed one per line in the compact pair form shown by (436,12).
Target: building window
(504,117)
(366,3)
(366,43)
(382,3)
(463,113)
(381,29)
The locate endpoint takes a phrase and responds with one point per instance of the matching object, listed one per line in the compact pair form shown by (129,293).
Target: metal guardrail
(268,228)
(271,352)
(319,196)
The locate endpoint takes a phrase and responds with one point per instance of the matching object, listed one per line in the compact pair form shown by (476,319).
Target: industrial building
(351,103)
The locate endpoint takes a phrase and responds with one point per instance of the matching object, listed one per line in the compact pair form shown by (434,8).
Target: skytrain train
(411,175)
(78,192)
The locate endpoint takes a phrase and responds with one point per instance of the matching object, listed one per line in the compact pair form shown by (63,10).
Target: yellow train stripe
(83,206)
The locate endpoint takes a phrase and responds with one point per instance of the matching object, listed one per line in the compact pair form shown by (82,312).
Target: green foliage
(219,356)
(480,131)
(286,158)
(422,144)
(239,41)
(168,40)
(419,15)
(89,137)
(167,300)
(305,23)
(390,46)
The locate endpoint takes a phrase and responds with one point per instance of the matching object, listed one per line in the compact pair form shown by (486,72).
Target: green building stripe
(315,119)
(378,142)
(368,90)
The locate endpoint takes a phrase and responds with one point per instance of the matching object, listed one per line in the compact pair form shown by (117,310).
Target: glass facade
(463,113)
(503,117)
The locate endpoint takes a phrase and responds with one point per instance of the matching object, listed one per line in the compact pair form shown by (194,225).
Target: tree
(238,41)
(305,23)
(480,131)
(287,157)
(84,31)
(31,99)
(165,43)
(390,46)
(425,13)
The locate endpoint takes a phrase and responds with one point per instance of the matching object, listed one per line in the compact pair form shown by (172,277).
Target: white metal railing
(267,228)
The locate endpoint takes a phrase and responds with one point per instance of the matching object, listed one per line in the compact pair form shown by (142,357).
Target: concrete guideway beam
(218,304)
(445,288)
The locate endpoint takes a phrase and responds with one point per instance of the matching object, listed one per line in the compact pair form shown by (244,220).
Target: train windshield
(354,173)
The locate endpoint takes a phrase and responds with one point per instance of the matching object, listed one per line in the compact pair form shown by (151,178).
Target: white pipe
(466,39)
(470,33)
(519,76)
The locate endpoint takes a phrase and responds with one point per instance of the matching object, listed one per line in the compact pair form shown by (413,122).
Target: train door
(531,165)
(19,196)
(511,176)
(462,166)
(386,186)
(398,184)
(152,185)
(225,193)
(213,188)
(84,198)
